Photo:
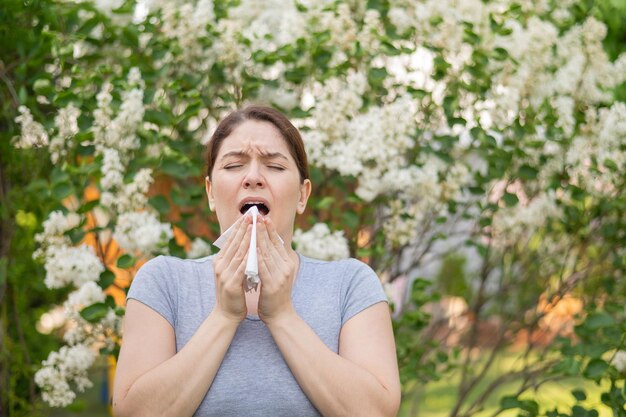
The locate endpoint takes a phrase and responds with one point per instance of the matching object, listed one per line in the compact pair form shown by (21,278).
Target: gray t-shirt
(254,379)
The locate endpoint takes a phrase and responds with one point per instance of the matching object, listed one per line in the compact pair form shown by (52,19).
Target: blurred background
(473,153)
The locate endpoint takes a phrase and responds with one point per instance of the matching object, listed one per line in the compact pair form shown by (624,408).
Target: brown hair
(263,113)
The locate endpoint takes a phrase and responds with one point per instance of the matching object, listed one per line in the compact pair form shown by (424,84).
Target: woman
(316,337)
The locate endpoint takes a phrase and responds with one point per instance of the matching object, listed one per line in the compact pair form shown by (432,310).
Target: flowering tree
(489,131)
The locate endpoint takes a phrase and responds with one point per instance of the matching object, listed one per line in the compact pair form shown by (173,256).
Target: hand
(277,271)
(229,267)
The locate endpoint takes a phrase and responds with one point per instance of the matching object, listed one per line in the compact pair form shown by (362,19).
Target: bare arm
(152,379)
(361,380)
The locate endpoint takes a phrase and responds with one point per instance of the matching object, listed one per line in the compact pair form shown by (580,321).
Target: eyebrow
(264,155)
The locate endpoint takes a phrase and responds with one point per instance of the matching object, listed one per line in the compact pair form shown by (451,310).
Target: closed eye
(277,167)
(232,166)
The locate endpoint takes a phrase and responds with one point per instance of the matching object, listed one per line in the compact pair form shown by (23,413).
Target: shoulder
(348,267)
(166,271)
(173,263)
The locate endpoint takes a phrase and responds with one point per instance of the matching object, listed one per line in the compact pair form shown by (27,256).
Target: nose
(253,178)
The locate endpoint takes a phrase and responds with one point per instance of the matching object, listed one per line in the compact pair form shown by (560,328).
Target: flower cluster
(33,134)
(512,224)
(119,132)
(71,265)
(186,24)
(142,232)
(68,365)
(320,243)
(66,122)
(89,293)
(54,228)
(199,248)
(117,195)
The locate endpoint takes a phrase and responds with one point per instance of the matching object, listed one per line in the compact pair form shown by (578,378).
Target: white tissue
(252,266)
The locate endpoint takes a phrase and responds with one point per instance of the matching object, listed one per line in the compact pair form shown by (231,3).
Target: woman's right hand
(229,268)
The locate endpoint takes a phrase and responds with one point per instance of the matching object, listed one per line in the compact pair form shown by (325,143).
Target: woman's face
(254,165)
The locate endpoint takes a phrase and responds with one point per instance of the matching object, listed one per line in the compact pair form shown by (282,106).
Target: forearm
(335,386)
(178,385)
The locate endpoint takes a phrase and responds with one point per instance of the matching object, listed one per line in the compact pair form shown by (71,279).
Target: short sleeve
(156,287)
(360,289)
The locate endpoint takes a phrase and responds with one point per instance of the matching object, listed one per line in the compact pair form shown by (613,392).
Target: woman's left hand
(277,271)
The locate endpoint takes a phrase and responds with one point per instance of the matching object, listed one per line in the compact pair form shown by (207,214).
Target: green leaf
(43,86)
(126,261)
(526,172)
(599,320)
(157,117)
(595,369)
(500,54)
(62,190)
(175,168)
(94,312)
(88,206)
(579,395)
(160,203)
(350,220)
(106,279)
(76,235)
(325,202)
(510,199)
(509,402)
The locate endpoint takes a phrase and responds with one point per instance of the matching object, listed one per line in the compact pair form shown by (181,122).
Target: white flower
(319,242)
(400,18)
(281,97)
(56,390)
(142,232)
(134,77)
(88,294)
(199,248)
(108,5)
(510,224)
(112,169)
(72,265)
(54,228)
(119,133)
(33,134)
(186,24)
(68,365)
(619,361)
(565,109)
(66,121)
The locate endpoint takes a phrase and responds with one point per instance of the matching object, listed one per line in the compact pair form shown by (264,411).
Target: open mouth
(263,209)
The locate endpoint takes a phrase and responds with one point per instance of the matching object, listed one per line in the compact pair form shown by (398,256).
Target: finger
(231,237)
(275,238)
(235,239)
(264,270)
(241,254)
(267,247)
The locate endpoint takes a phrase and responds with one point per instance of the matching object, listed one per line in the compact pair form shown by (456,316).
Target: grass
(438,398)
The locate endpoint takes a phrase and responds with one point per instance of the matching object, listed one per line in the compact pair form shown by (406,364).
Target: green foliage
(182,101)
(451,277)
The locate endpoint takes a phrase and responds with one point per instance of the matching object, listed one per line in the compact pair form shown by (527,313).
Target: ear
(305,192)
(209,192)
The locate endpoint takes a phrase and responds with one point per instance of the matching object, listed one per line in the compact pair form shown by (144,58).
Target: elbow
(119,407)
(392,404)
